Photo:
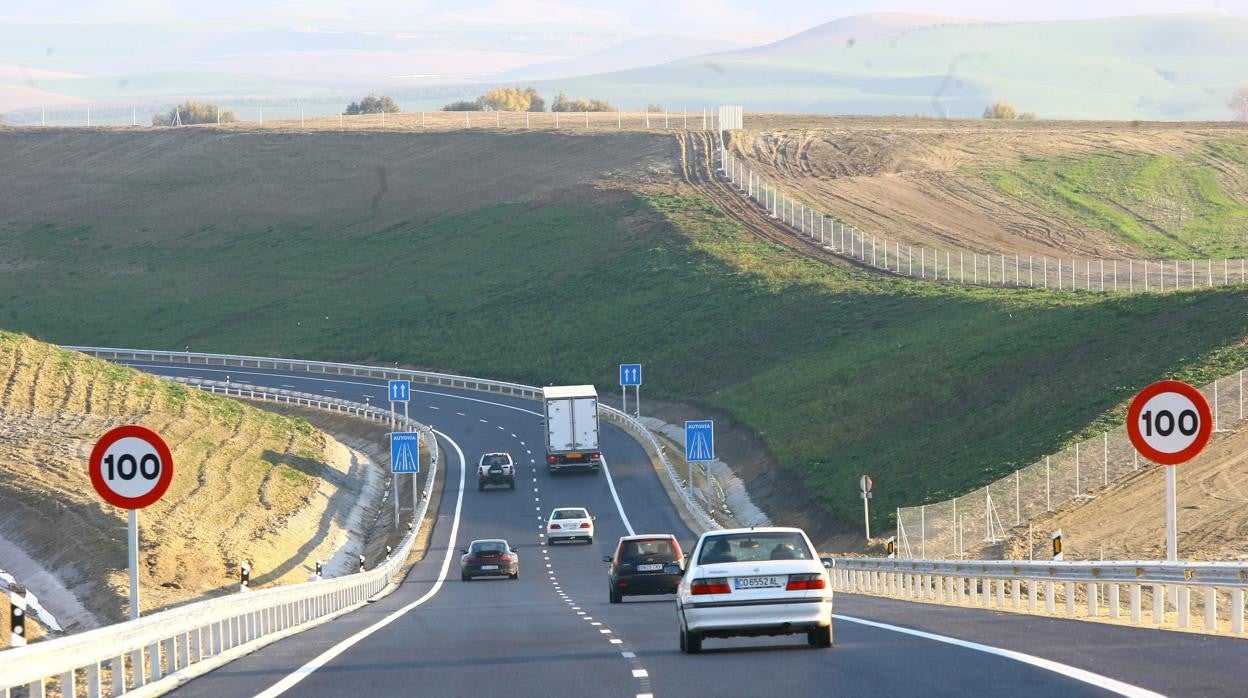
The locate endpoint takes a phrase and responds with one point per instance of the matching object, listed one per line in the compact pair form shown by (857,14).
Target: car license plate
(649,568)
(489,567)
(572,455)
(756,582)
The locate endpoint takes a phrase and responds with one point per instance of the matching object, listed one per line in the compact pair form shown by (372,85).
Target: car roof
(496,453)
(756,529)
(647,536)
(489,540)
(584,509)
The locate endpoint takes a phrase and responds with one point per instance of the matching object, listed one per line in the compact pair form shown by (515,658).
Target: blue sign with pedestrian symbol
(405,452)
(630,374)
(700,440)
(400,391)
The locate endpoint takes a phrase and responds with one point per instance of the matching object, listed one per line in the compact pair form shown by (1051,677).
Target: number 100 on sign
(131,467)
(1169,422)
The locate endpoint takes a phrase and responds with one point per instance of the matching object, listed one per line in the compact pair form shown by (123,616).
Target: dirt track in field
(911,180)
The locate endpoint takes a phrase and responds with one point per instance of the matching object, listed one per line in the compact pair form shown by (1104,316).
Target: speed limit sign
(1169,422)
(131,467)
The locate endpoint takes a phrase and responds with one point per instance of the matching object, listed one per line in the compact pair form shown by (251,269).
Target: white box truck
(571,428)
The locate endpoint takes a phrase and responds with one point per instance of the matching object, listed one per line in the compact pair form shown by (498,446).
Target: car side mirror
(593,518)
(606,558)
(686,556)
(827,562)
(464,550)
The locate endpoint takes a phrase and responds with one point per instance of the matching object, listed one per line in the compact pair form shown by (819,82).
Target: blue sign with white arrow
(405,452)
(700,440)
(400,391)
(630,374)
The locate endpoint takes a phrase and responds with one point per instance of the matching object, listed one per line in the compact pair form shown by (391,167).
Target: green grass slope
(1185,207)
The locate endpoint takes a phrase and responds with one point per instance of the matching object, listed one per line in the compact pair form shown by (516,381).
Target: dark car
(644,564)
(489,558)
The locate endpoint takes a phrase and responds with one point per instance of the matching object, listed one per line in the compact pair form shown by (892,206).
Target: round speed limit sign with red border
(1169,422)
(131,467)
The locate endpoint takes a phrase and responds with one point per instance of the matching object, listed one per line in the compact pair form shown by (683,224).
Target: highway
(553,633)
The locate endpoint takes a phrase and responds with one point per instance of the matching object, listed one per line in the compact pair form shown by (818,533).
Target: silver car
(752,582)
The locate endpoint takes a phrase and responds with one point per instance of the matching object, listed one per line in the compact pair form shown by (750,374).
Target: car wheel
(463,576)
(514,576)
(690,642)
(512,484)
(589,539)
(480,486)
(819,637)
(614,594)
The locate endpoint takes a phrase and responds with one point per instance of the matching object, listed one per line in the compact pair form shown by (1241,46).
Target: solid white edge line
(1082,675)
(616,496)
(306,670)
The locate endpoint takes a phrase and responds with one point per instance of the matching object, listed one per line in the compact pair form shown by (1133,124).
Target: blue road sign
(630,374)
(400,391)
(700,440)
(405,452)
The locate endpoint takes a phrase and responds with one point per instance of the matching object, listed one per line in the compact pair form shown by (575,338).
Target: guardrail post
(138,668)
(1159,604)
(1113,600)
(1070,599)
(154,665)
(1031,595)
(1211,609)
(1092,591)
(1018,593)
(1185,606)
(1000,593)
(94,687)
(1135,603)
(1237,610)
(1050,600)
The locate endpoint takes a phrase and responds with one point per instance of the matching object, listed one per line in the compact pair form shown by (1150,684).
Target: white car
(570,523)
(751,582)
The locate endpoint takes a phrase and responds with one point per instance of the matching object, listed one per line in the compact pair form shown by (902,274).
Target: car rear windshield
(654,549)
(495,460)
(489,547)
(571,514)
(753,547)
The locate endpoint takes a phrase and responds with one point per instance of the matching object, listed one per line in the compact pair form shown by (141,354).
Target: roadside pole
(865,486)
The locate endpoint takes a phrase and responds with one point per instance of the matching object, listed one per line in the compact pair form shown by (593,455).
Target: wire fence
(982,518)
(333,116)
(962,266)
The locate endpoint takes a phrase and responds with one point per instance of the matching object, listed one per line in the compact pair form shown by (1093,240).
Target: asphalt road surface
(552,632)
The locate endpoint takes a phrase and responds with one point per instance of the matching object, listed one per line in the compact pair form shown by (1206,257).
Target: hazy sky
(748,20)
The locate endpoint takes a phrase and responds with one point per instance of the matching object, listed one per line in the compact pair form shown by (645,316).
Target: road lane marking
(640,673)
(1111,685)
(616,496)
(325,657)
(629,655)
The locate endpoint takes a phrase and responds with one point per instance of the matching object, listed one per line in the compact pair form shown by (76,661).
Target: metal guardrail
(1167,586)
(637,429)
(118,658)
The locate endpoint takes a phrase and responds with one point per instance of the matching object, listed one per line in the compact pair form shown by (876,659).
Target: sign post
(1169,423)
(131,468)
(866,484)
(699,446)
(404,458)
(630,374)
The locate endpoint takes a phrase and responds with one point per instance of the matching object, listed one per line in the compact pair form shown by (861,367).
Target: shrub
(372,104)
(562,103)
(1239,104)
(1000,110)
(474,105)
(192,113)
(652,108)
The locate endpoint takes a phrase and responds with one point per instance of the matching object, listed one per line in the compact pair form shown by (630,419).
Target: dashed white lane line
(629,655)
(434,408)
(640,673)
(616,641)
(522,443)
(604,631)
(461,414)
(500,428)
(513,435)
(483,421)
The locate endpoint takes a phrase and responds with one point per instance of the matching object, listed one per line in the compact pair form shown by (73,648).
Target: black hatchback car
(644,564)
(489,558)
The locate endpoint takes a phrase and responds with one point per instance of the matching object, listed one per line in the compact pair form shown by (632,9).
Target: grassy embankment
(243,479)
(932,389)
(1174,207)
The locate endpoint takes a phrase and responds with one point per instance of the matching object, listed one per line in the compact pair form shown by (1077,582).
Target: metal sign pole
(866,513)
(637,400)
(1172,524)
(132,543)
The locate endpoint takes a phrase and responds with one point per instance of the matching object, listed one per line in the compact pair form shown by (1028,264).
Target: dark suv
(645,564)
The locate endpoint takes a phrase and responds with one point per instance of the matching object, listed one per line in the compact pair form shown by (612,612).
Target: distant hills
(1166,67)
(1175,67)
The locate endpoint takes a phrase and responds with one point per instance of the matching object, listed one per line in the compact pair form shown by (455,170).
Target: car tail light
(585,525)
(623,583)
(710,585)
(595,456)
(553,526)
(508,558)
(552,459)
(805,582)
